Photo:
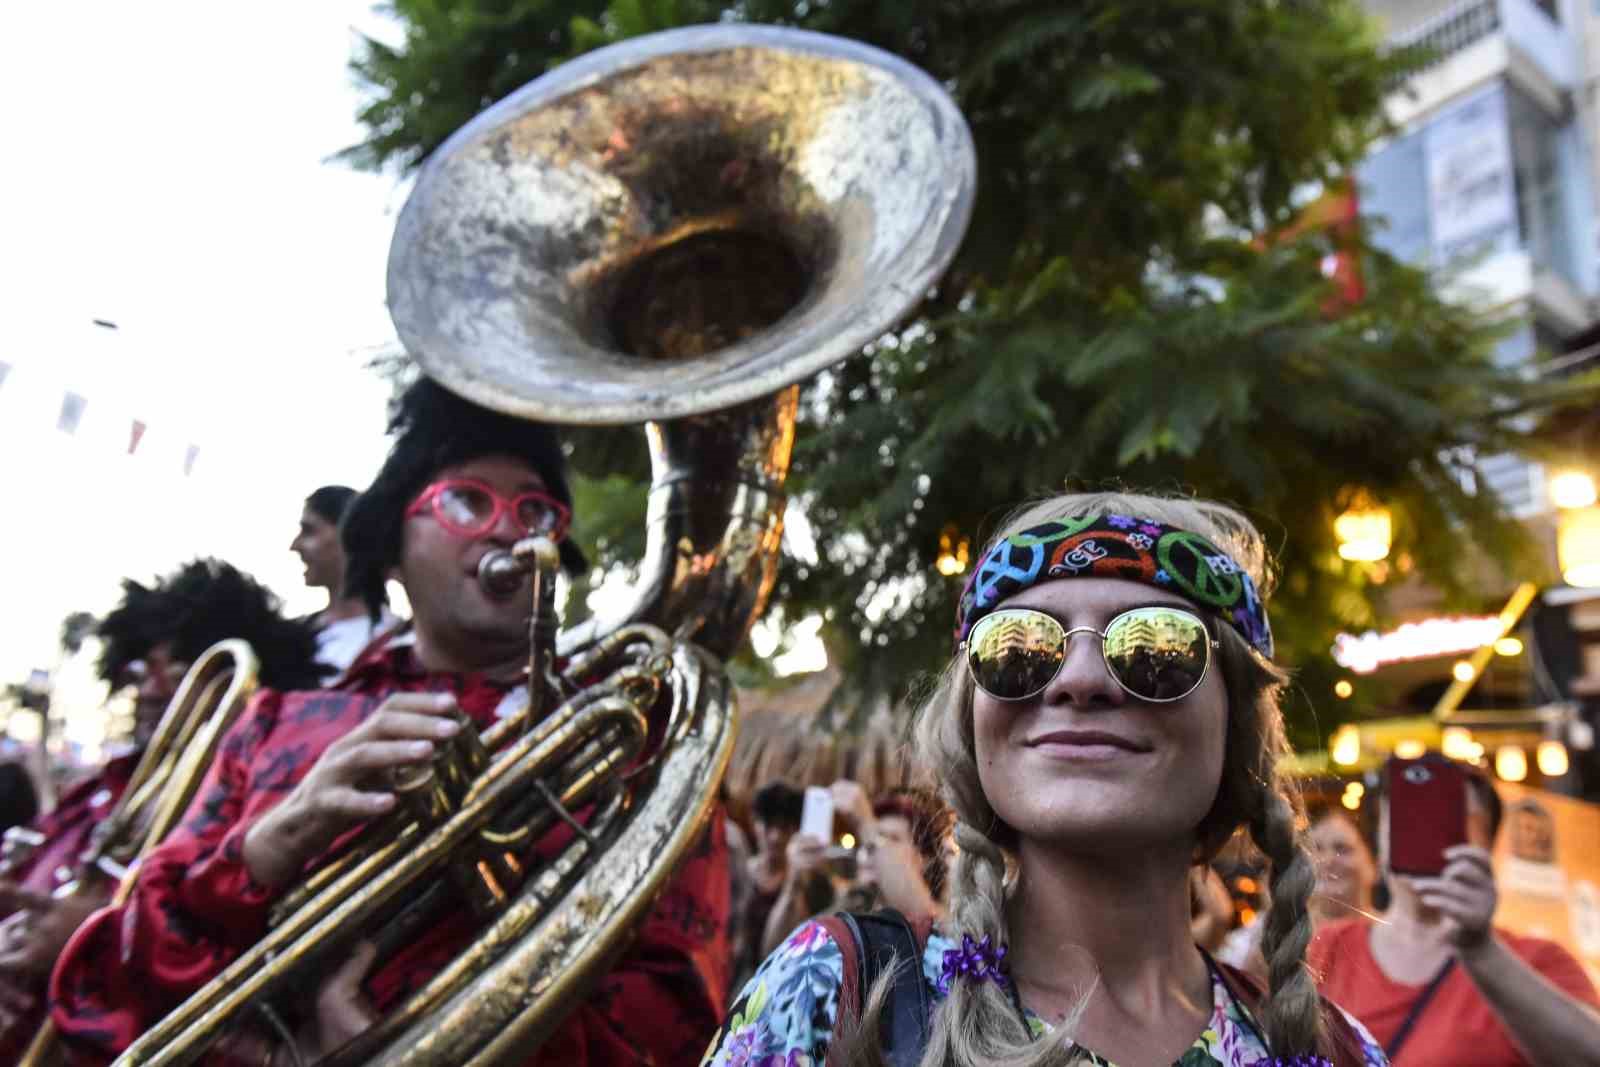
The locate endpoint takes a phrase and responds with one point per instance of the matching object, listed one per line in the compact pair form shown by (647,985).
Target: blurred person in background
(774,816)
(1210,908)
(19,800)
(1437,983)
(901,861)
(1347,873)
(149,641)
(347,625)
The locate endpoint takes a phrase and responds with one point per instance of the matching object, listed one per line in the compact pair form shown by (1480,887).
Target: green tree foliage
(1120,312)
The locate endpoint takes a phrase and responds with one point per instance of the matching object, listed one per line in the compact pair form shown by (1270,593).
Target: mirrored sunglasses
(1159,654)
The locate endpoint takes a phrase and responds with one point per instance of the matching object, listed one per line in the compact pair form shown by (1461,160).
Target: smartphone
(1427,813)
(816,816)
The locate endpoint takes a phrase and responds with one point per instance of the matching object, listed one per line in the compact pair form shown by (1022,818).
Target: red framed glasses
(470,508)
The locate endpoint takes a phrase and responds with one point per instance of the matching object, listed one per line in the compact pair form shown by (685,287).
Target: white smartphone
(816,817)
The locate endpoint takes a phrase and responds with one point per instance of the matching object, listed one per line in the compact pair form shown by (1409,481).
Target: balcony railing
(1528,24)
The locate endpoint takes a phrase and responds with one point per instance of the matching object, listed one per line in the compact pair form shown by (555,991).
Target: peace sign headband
(1118,546)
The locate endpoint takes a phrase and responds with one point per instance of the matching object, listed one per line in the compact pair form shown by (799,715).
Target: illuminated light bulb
(1463,671)
(1355,789)
(1410,748)
(1572,489)
(1511,763)
(1351,801)
(847,840)
(1578,546)
(1365,531)
(1552,759)
(1343,689)
(1508,646)
(1346,747)
(1456,742)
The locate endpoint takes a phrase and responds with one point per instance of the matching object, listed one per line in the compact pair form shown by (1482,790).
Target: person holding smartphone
(1432,977)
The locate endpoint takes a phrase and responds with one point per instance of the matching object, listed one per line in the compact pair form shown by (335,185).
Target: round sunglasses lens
(1157,653)
(466,506)
(1014,654)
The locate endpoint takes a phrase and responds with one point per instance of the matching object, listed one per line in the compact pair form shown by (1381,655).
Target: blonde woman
(1110,719)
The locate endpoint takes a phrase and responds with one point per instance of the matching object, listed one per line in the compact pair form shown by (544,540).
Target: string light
(1511,763)
(1552,759)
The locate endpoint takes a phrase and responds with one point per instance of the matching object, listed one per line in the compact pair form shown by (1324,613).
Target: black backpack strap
(887,940)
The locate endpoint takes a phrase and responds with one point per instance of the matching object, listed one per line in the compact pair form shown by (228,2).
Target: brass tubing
(346,903)
(529,908)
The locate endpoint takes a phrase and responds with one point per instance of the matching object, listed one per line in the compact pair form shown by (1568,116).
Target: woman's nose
(1083,680)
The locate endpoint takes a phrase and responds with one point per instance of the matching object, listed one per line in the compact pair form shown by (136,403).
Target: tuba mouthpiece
(501,574)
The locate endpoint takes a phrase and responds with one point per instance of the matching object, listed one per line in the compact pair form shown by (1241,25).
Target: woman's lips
(1086,745)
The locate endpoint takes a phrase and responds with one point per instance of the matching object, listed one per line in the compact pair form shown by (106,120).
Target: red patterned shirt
(196,907)
(67,830)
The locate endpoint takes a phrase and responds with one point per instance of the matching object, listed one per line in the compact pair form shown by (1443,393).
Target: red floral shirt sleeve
(193,910)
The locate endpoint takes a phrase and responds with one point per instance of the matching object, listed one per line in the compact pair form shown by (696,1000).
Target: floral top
(785,1014)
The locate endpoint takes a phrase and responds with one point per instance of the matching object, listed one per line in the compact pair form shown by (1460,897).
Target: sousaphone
(674,230)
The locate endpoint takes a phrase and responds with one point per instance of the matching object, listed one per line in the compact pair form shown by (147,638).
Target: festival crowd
(1045,887)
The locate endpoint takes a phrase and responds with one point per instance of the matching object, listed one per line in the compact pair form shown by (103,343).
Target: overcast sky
(165,171)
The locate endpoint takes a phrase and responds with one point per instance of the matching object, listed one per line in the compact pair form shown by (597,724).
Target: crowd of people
(1107,727)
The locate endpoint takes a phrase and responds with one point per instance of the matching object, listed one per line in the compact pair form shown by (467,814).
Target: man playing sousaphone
(302,770)
(149,641)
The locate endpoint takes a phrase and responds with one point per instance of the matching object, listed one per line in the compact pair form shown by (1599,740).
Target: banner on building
(1472,200)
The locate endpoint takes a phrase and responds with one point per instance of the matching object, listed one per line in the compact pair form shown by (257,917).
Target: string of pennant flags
(70,417)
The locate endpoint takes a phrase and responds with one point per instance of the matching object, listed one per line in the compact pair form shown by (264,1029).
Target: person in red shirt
(149,640)
(304,769)
(1437,983)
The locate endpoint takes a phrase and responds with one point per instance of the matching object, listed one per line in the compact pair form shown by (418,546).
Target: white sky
(166,171)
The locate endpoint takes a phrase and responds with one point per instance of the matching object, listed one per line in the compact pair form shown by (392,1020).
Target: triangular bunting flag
(72,406)
(135,437)
(5,369)
(188,459)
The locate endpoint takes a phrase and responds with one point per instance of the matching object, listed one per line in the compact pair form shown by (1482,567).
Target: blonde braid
(1293,1014)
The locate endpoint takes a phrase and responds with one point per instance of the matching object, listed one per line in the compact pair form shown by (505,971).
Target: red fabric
(196,907)
(67,830)
(1458,1025)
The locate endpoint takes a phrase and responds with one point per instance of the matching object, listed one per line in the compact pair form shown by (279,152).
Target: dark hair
(1488,795)
(329,502)
(930,822)
(434,428)
(198,605)
(777,804)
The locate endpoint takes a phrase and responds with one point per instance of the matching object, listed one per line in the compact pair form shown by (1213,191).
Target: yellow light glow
(1475,751)
(1578,546)
(1456,742)
(1365,531)
(1511,763)
(1351,801)
(1355,789)
(1572,489)
(847,840)
(1463,671)
(1410,748)
(1343,689)
(1552,759)
(1346,747)
(1508,646)
(953,549)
